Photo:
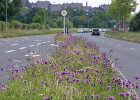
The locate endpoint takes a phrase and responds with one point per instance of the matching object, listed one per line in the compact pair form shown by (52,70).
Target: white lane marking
(23,48)
(31,45)
(132,48)
(10,51)
(44,42)
(38,43)
(32,55)
(13,44)
(0,43)
(119,45)
(48,41)
(54,45)
(36,40)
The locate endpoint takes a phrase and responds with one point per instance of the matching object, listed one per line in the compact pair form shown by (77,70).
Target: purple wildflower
(66,67)
(18,76)
(85,97)
(44,68)
(92,96)
(68,77)
(46,61)
(137,77)
(65,95)
(122,94)
(43,82)
(61,79)
(74,91)
(111,98)
(109,87)
(97,96)
(46,98)
(127,94)
(12,77)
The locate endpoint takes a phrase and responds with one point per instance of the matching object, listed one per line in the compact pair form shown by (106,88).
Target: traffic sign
(112,21)
(64,13)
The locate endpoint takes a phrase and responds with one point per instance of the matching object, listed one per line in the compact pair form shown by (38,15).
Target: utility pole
(68,24)
(6,18)
(44,19)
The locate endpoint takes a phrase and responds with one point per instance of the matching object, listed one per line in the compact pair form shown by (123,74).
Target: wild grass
(129,36)
(19,33)
(76,71)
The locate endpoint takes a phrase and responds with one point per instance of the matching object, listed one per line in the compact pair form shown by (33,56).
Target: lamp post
(6,17)
(87,19)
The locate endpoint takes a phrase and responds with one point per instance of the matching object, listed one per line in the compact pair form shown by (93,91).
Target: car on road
(80,31)
(96,32)
(86,31)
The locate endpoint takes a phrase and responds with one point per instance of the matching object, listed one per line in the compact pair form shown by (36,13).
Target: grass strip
(76,71)
(129,36)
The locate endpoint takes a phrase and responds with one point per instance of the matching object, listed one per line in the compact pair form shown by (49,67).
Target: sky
(93,3)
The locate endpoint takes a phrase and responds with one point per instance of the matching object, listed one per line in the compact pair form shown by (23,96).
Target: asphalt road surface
(127,52)
(17,50)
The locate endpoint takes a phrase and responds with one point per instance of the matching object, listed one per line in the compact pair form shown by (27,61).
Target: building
(58,7)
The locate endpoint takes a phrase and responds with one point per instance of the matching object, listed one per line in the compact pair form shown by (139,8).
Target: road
(17,50)
(127,52)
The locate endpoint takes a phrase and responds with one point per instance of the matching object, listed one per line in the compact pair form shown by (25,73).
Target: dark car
(86,31)
(95,32)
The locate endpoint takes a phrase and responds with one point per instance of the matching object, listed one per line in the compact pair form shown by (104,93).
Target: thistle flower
(18,76)
(74,91)
(110,98)
(92,96)
(12,77)
(46,98)
(97,96)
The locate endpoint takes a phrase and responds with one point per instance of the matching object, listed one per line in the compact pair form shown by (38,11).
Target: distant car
(80,31)
(86,31)
(96,32)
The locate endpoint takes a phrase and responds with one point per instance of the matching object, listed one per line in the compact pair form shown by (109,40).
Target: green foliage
(135,23)
(26,15)
(13,8)
(120,10)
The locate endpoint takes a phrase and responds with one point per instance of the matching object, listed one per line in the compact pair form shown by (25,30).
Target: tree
(13,8)
(120,10)
(135,23)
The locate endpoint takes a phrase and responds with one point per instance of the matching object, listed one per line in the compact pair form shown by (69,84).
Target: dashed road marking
(54,45)
(10,51)
(0,43)
(31,45)
(119,45)
(48,41)
(13,44)
(23,48)
(44,42)
(32,55)
(36,40)
(132,48)
(38,43)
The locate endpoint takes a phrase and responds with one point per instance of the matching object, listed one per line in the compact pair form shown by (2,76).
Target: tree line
(76,17)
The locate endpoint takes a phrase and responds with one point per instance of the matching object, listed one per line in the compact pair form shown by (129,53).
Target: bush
(16,24)
(2,26)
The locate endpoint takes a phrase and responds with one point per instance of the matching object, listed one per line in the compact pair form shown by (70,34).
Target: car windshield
(95,30)
(80,30)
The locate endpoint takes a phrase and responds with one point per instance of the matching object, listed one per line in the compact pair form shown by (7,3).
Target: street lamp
(45,16)
(87,18)
(6,17)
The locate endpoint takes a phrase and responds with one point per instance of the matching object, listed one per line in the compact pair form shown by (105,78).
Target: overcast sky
(93,3)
